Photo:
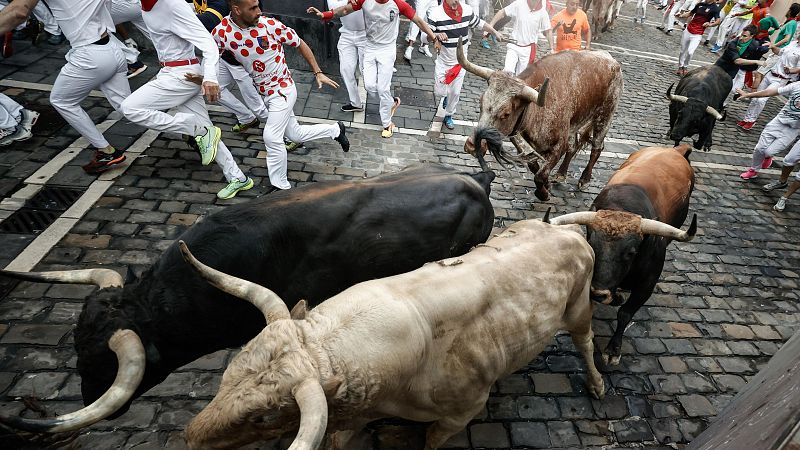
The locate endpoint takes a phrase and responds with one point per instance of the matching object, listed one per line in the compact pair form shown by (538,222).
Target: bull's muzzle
(601,296)
(469,146)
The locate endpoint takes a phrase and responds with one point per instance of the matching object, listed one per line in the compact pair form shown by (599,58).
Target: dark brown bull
(581,100)
(638,215)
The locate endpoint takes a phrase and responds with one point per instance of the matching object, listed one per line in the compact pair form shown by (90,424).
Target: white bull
(426,345)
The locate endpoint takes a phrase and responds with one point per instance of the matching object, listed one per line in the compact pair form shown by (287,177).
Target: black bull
(689,113)
(308,243)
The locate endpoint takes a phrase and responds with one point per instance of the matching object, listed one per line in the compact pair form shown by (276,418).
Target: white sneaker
(130,43)
(21,134)
(407,54)
(425,51)
(777,184)
(28,119)
(5,136)
(781,205)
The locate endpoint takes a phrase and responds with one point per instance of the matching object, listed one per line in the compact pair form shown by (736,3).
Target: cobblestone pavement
(725,303)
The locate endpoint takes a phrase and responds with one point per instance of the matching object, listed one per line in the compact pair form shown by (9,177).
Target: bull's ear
(331,385)
(130,275)
(299,311)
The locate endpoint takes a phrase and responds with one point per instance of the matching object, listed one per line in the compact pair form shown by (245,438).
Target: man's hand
(323,79)
(740,95)
(194,78)
(315,11)
(210,90)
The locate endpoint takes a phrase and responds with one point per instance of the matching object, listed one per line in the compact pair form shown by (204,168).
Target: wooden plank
(765,413)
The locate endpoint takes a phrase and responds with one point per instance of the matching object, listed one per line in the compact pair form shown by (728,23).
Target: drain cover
(40,211)
(415,97)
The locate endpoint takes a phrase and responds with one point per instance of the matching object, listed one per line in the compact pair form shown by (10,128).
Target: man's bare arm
(15,13)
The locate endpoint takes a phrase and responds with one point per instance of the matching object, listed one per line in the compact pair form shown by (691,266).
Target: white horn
(678,98)
(580,218)
(472,68)
(714,112)
(657,228)
(313,405)
(268,302)
(131,364)
(103,278)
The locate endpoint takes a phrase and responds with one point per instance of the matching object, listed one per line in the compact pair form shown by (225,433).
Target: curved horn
(580,218)
(475,69)
(103,278)
(268,302)
(131,363)
(657,228)
(546,218)
(678,98)
(669,91)
(714,112)
(532,95)
(313,405)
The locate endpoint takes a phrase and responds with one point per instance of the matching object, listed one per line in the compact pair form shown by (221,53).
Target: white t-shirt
(350,22)
(790,59)
(82,22)
(790,113)
(383,20)
(527,24)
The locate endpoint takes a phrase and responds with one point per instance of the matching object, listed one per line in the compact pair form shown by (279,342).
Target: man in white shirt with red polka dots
(257,42)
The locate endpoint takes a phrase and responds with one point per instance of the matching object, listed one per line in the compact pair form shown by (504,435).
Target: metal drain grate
(40,211)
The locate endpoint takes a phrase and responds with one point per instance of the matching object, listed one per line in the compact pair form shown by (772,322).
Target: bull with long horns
(696,104)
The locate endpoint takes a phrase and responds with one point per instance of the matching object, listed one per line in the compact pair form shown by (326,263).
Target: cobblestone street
(725,304)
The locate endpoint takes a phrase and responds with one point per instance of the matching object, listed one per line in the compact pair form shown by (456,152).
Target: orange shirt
(568,35)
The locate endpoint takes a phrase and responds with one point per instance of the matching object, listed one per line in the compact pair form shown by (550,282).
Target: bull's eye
(504,115)
(630,253)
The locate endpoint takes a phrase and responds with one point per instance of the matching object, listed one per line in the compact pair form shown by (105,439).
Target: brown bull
(638,215)
(581,99)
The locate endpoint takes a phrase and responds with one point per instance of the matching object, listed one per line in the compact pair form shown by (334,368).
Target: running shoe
(291,146)
(777,184)
(352,108)
(407,53)
(28,119)
(342,138)
(130,43)
(20,134)
(103,161)
(767,163)
(5,135)
(208,143)
(56,39)
(715,48)
(388,131)
(485,44)
(746,125)
(234,187)
(135,69)
(749,174)
(448,122)
(781,205)
(242,127)
(425,51)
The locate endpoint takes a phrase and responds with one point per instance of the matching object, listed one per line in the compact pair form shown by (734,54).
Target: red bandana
(147,5)
(453,13)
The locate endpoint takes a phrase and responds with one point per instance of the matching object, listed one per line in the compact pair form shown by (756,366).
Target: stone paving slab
(725,303)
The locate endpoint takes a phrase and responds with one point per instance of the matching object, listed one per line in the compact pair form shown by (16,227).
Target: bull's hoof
(542,194)
(582,184)
(559,178)
(597,389)
(610,360)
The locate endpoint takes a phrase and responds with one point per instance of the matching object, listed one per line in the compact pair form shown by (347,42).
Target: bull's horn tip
(693,227)
(546,218)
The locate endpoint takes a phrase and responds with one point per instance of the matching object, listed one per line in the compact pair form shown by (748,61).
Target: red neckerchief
(453,13)
(147,5)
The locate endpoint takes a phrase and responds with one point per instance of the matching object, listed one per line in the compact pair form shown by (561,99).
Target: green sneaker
(292,146)
(208,144)
(234,187)
(242,127)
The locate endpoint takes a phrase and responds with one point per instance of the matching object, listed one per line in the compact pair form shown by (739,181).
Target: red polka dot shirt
(260,50)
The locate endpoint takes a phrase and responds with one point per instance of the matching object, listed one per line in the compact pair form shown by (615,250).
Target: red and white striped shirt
(260,50)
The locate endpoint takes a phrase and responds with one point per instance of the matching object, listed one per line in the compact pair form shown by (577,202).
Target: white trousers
(378,70)
(421,7)
(757,104)
(10,112)
(668,20)
(171,90)
(90,67)
(777,137)
(731,26)
(517,58)
(641,9)
(129,11)
(253,105)
(710,31)
(351,58)
(452,91)
(282,122)
(689,43)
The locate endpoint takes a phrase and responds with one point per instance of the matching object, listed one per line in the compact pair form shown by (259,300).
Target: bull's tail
(494,141)
(684,150)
